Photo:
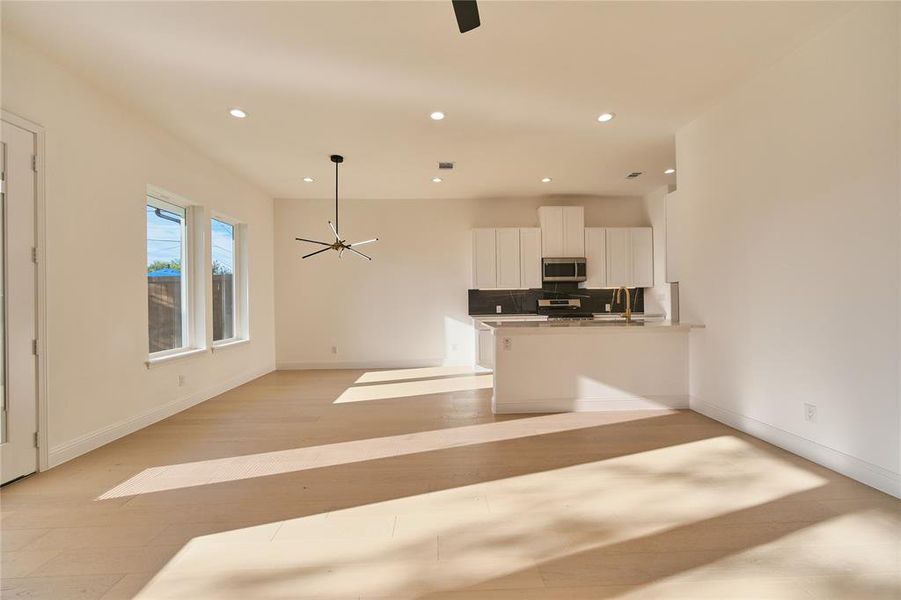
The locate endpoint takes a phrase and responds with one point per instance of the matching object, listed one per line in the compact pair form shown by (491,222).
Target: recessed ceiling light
(437,180)
(604,117)
(437,115)
(546,180)
(237,113)
(308,179)
(669,171)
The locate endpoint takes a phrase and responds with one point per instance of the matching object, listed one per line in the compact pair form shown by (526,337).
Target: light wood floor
(409,487)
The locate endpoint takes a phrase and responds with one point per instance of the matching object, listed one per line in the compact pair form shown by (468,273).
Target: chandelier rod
(336,201)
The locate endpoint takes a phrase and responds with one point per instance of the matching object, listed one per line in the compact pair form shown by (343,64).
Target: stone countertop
(504,317)
(579,326)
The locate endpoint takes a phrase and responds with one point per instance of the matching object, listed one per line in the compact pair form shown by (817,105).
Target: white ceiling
(521,93)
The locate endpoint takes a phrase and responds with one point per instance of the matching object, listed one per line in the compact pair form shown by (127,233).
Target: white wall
(100,157)
(409,305)
(789,191)
(657,298)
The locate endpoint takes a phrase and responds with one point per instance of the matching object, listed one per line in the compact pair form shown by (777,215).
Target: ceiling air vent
(633,175)
(446,165)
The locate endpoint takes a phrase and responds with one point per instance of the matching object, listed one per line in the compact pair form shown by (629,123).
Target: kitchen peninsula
(552,312)
(588,365)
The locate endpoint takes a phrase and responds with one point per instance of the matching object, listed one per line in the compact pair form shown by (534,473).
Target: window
(225,281)
(168,281)
(167,284)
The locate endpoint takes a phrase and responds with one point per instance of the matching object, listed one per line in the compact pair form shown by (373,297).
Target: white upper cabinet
(642,243)
(551,220)
(630,257)
(573,231)
(484,258)
(619,257)
(508,258)
(530,257)
(642,256)
(562,231)
(595,257)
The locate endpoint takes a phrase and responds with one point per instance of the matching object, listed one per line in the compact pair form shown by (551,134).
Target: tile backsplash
(484,302)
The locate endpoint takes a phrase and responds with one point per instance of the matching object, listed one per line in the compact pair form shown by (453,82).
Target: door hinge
(34,254)
(35,439)
(34,163)
(34,347)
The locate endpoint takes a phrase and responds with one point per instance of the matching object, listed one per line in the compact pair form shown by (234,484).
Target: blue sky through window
(223,235)
(164,235)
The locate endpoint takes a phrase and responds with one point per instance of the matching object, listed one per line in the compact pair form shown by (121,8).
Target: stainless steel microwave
(563,269)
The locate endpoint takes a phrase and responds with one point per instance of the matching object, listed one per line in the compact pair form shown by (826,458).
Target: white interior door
(18,367)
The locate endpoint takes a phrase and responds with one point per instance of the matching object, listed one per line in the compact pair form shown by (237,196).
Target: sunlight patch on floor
(624,513)
(424,387)
(172,477)
(420,373)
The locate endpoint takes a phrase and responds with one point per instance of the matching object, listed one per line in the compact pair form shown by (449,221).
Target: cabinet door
(508,257)
(530,257)
(551,220)
(486,349)
(619,257)
(484,258)
(642,242)
(573,231)
(596,257)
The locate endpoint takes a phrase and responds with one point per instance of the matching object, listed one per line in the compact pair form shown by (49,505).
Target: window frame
(193,306)
(240,331)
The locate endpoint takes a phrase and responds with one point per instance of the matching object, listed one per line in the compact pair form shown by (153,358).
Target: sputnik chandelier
(338,245)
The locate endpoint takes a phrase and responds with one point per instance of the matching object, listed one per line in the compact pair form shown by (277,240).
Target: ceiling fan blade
(467,12)
(317,252)
(360,253)
(312,241)
(363,242)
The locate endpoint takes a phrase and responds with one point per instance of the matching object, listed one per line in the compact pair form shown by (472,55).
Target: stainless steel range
(558,309)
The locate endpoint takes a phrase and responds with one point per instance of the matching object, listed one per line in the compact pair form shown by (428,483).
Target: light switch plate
(498,309)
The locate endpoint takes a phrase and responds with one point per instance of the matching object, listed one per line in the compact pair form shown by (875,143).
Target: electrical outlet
(498,309)
(334,349)
(508,343)
(607,307)
(810,412)
(181,380)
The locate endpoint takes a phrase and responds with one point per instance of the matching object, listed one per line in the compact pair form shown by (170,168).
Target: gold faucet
(616,297)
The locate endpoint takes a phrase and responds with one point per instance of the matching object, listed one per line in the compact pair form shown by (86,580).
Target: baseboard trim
(552,405)
(860,470)
(362,364)
(95,439)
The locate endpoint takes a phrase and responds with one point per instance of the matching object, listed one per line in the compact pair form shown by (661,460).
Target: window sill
(159,360)
(226,344)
